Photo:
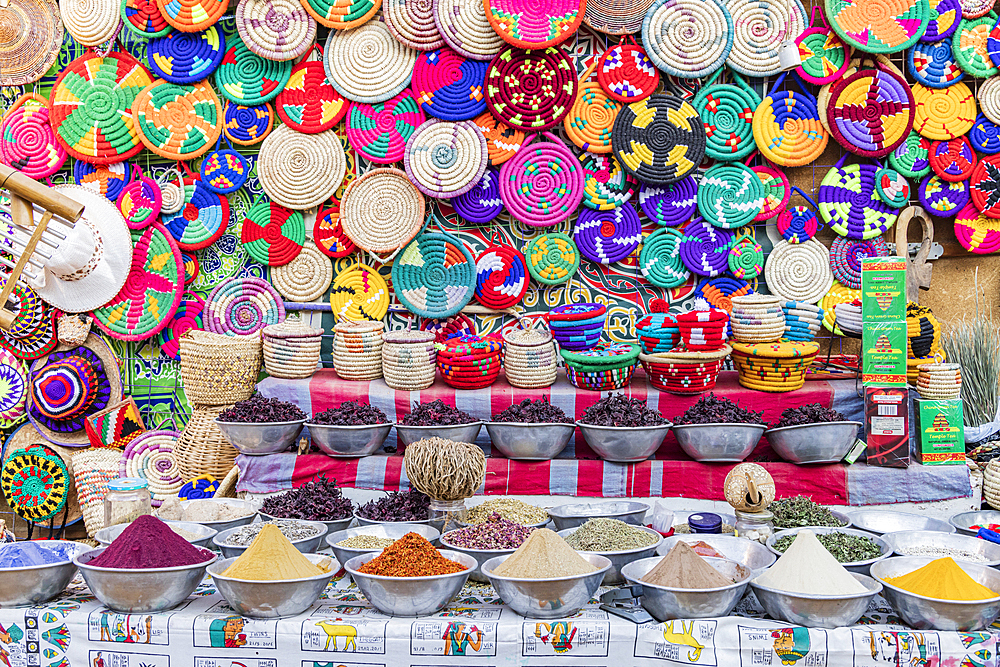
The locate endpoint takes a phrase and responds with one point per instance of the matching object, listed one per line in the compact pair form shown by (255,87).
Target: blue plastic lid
(705,522)
(127,484)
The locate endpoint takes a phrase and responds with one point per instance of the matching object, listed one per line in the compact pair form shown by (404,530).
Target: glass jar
(127,500)
(755,526)
(446,515)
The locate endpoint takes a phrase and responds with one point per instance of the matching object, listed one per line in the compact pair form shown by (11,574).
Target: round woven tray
(932,64)
(976,232)
(248,125)
(202,218)
(192,15)
(871,111)
(143,18)
(944,113)
(535,25)
(27,140)
(186,57)
(464,27)
(730,195)
(746,258)
(531,90)
(589,122)
(445,159)
(787,127)
(412,23)
(275,29)
(306,278)
(626,73)
(151,457)
(379,131)
(187,317)
(301,171)
(727,111)
(435,275)
(345,14)
(705,249)
(688,38)
(481,204)
(823,54)
(242,307)
(660,259)
(970,46)
(501,277)
(552,258)
(543,184)
(308,103)
(984,186)
(502,141)
(837,294)
(953,160)
(246,78)
(799,271)
(945,17)
(850,204)
(91,22)
(359,293)
(23,60)
(606,185)
(877,27)
(759,29)
(659,140)
(272,234)
(670,205)
(606,237)
(910,159)
(382,210)
(224,171)
(985,135)
(367,64)
(989,98)
(449,86)
(846,256)
(942,198)
(178,122)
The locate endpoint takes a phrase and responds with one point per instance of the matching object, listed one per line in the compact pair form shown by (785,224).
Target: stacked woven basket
(939,381)
(684,373)
(757,318)
(578,326)
(291,349)
(604,367)
(357,350)
(408,359)
(469,361)
(773,367)
(529,358)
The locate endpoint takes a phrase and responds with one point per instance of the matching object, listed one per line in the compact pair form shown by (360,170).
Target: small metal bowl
(860,567)
(718,443)
(963,520)
(362,521)
(620,444)
(881,522)
(272,599)
(37,584)
(576,514)
(902,539)
(481,556)
(306,545)
(530,442)
(663,602)
(459,433)
(818,611)
(250,505)
(749,554)
(825,442)
(558,597)
(348,442)
(620,559)
(106,536)
(261,439)
(142,591)
(924,613)
(386,530)
(331,526)
(411,596)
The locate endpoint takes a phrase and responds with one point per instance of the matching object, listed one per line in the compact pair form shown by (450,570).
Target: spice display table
(475,629)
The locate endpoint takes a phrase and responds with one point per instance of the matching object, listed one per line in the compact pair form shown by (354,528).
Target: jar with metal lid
(127,500)
(755,526)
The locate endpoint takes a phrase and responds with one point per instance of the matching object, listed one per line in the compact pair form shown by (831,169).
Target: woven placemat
(301,171)
(178,122)
(849,203)
(945,17)
(877,27)
(746,258)
(870,112)
(787,127)
(984,135)
(705,249)
(275,29)
(659,140)
(224,171)
(305,278)
(22,60)
(660,259)
(501,277)
(984,186)
(910,159)
(187,317)
(328,232)
(435,275)
(246,78)
(144,19)
(944,113)
(543,184)
(367,64)
(588,123)
(272,234)
(343,14)
(846,256)
(730,195)
(606,185)
(942,198)
(670,205)
(448,85)
(531,90)
(248,125)
(606,237)
(186,57)
(27,142)
(91,22)
(359,293)
(970,46)
(759,29)
(308,103)
(952,160)
(727,111)
(932,64)
(412,23)
(799,271)
(797,224)
(502,141)
(140,201)
(382,210)
(552,258)
(202,218)
(688,38)
(379,131)
(192,15)
(535,25)
(464,27)
(444,158)
(242,307)
(481,203)
(626,73)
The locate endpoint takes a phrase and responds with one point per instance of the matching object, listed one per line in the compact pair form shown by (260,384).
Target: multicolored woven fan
(970,46)
(152,292)
(952,160)
(875,26)
(777,191)
(187,317)
(688,38)
(178,122)
(945,17)
(308,103)
(730,195)
(502,141)
(846,256)
(606,185)
(588,124)
(746,258)
(705,249)
(224,171)
(501,277)
(144,19)
(660,259)
(13,388)
(659,140)
(944,113)
(932,64)
(328,232)
(727,109)
(871,111)
(248,125)
(849,203)
(942,198)
(359,293)
(910,159)
(272,234)
(245,78)
(201,220)
(626,73)
(823,54)
(435,275)
(670,205)
(449,86)
(242,306)
(35,483)
(606,237)
(140,201)
(482,203)
(552,258)
(108,179)
(976,232)
(787,128)
(379,131)
(535,25)
(531,90)
(543,184)
(27,142)
(187,57)
(984,186)
(342,14)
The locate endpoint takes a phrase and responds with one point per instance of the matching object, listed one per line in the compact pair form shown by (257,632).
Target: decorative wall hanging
(359,293)
(35,482)
(191,267)
(201,220)
(932,64)
(464,27)
(606,185)
(759,29)
(944,113)
(531,90)
(552,258)
(688,38)
(969,45)
(849,203)
(412,23)
(877,27)
(308,103)
(379,131)
(144,19)
(659,140)
(77,107)
(301,171)
(272,234)
(224,171)
(482,203)
(846,256)
(892,188)
(616,17)
(435,275)
(381,210)
(306,278)
(910,158)
(984,186)
(535,25)
(989,98)
(246,78)
(776,192)
(660,259)
(192,15)
(178,122)
(730,195)
(589,122)
(502,141)
(670,205)
(27,141)
(328,232)
(242,307)
(798,271)
(787,128)
(705,249)
(501,277)
(449,86)
(727,109)
(823,54)
(797,224)
(186,57)
(746,258)
(952,160)
(871,111)
(606,237)
(343,14)
(367,64)
(150,456)
(24,61)
(106,179)
(91,22)
(445,159)
(626,73)
(248,125)
(543,184)
(976,232)
(187,317)
(943,198)
(275,29)
(140,201)
(985,135)
(13,389)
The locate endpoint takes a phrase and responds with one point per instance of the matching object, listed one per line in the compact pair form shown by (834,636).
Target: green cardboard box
(941,426)
(883,289)
(883,348)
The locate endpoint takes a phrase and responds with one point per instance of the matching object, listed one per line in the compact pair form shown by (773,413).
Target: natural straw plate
(91,22)
(301,171)
(688,38)
(799,271)
(616,17)
(24,61)
(412,23)
(885,28)
(367,64)
(787,127)
(275,29)
(669,205)
(445,159)
(857,100)
(989,98)
(759,29)
(382,210)
(306,278)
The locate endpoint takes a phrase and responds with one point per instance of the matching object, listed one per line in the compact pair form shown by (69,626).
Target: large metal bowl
(718,443)
(621,444)
(36,584)
(963,520)
(881,522)
(348,442)
(142,591)
(924,613)
(530,442)
(826,442)
(481,556)
(106,536)
(362,521)
(900,541)
(261,439)
(306,545)
(620,559)
(411,596)
(384,530)
(272,599)
(817,611)
(663,602)
(576,514)
(861,566)
(460,433)
(251,507)
(331,526)
(747,553)
(558,597)
(841,516)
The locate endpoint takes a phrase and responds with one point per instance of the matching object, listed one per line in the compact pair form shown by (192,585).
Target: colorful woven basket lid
(798,271)
(66,387)
(606,237)
(952,160)
(910,158)
(224,171)
(777,191)
(976,232)
(615,17)
(152,292)
(242,307)
(543,184)
(660,259)
(932,64)
(627,74)
(382,210)
(192,15)
(730,195)
(727,109)
(501,277)
(871,111)
(971,46)
(27,142)
(344,14)
(202,219)
(943,198)
(144,19)
(248,125)
(449,86)
(445,159)
(787,127)
(535,25)
(23,60)
(275,29)
(944,113)
(659,140)
(187,57)
(670,205)
(412,23)
(107,179)
(435,275)
(13,389)
(746,258)
(328,232)
(246,78)
(178,122)
(605,354)
(78,107)
(379,131)
(945,17)
(875,26)
(688,38)
(760,28)
(984,186)
(464,27)
(989,98)
(993,44)
(705,249)
(140,201)
(308,103)
(187,317)
(502,141)
(482,203)
(823,55)
(531,90)
(36,483)
(272,234)
(985,135)
(849,203)
(846,256)
(367,64)
(359,293)
(552,258)
(606,184)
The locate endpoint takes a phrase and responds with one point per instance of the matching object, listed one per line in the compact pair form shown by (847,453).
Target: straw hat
(31,35)
(34,467)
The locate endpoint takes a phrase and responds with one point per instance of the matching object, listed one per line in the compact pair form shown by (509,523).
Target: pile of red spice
(148,542)
(410,556)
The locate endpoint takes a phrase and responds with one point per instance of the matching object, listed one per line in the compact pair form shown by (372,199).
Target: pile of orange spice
(410,556)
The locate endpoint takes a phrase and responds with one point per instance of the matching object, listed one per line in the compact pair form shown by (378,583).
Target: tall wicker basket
(408,359)
(202,448)
(219,370)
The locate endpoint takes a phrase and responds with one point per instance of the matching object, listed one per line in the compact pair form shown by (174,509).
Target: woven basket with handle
(202,448)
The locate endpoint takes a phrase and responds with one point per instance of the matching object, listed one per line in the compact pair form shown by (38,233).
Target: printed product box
(941,429)
(883,289)
(883,347)
(887,426)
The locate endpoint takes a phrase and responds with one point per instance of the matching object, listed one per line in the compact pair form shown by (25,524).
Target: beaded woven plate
(606,237)
(688,38)
(823,54)
(543,184)
(531,90)
(798,271)
(589,122)
(945,17)
(705,249)
(464,27)
(552,258)
(727,109)
(870,112)
(942,198)
(379,131)
(328,232)
(412,23)
(248,125)
(242,307)
(27,142)
(746,258)
(22,60)
(535,25)
(449,86)
(140,201)
(787,128)
(381,210)
(90,107)
(759,29)
(910,158)
(659,140)
(367,64)
(224,171)
(777,191)
(435,275)
(876,26)
(501,277)
(445,159)
(976,232)
(186,57)
(932,64)
(984,186)
(192,15)
(849,203)
(108,179)
(246,78)
(970,46)
(660,259)
(670,205)
(273,234)
(944,113)
(152,291)
(985,135)
(627,74)
(143,18)
(952,160)
(346,14)
(201,220)
(502,141)
(482,203)
(730,195)
(606,185)
(178,122)
(359,293)
(308,103)
(846,256)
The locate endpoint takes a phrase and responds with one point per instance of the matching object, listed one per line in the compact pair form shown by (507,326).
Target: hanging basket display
(911,157)
(659,140)
(248,125)
(943,113)
(535,25)
(242,307)
(730,196)
(952,160)
(482,203)
(531,90)
(435,275)
(606,237)
(308,103)
(543,184)
(552,258)
(186,57)
(727,109)
(875,26)
(445,159)
(272,234)
(359,294)
(606,185)
(202,218)
(670,205)
(27,142)
(379,132)
(943,198)
(846,256)
(501,277)
(871,112)
(589,122)
(502,141)
(626,73)
(278,30)
(660,259)
(976,232)
(705,249)
(366,64)
(787,127)
(688,38)
(760,27)
(849,202)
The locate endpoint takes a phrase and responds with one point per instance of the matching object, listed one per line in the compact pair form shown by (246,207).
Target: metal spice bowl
(459,433)
(348,441)
(203,533)
(901,540)
(747,553)
(825,442)
(37,584)
(557,597)
(331,526)
(624,444)
(620,559)
(818,611)
(260,439)
(530,442)
(721,443)
(861,566)
(963,521)
(384,530)
(576,514)
(306,545)
(272,599)
(664,602)
(411,596)
(481,556)
(882,521)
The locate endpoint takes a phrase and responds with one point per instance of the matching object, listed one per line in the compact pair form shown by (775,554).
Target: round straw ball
(412,23)
(90,22)
(305,278)
(799,271)
(382,210)
(445,159)
(275,29)
(464,27)
(367,64)
(301,171)
(688,38)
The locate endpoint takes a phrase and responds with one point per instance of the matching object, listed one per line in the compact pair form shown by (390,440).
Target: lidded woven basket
(529,357)
(357,350)
(291,349)
(408,359)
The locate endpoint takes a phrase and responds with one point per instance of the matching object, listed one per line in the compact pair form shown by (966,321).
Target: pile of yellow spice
(271,557)
(942,579)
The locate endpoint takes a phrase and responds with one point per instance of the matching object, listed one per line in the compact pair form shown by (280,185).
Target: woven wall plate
(589,122)
(626,73)
(799,271)
(31,35)
(944,113)
(343,14)
(202,219)
(797,224)
(705,249)
(787,127)
(90,107)
(36,344)
(531,90)
(328,232)
(993,44)
(972,9)
(367,64)
(984,186)
(543,184)
(552,258)
(688,38)
(823,54)
(27,142)
(932,64)
(150,456)
(381,210)
(464,27)
(746,258)
(535,25)
(36,482)
(730,195)
(191,267)
(435,275)
(248,125)
(952,160)
(989,98)
(272,234)
(107,179)
(449,86)
(502,141)
(412,23)
(192,15)
(670,205)
(875,26)
(445,159)
(976,232)
(301,171)
(607,237)
(941,198)
(224,171)
(846,256)
(306,278)
(759,29)
(660,259)
(892,188)
(482,203)
(945,17)
(910,158)
(275,29)
(606,185)
(849,203)
(144,19)
(379,131)
(242,307)
(140,202)
(91,22)
(178,122)
(616,17)
(359,293)
(246,78)
(985,135)
(777,192)
(501,277)
(152,292)
(727,109)
(659,140)
(970,46)
(186,57)
(308,103)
